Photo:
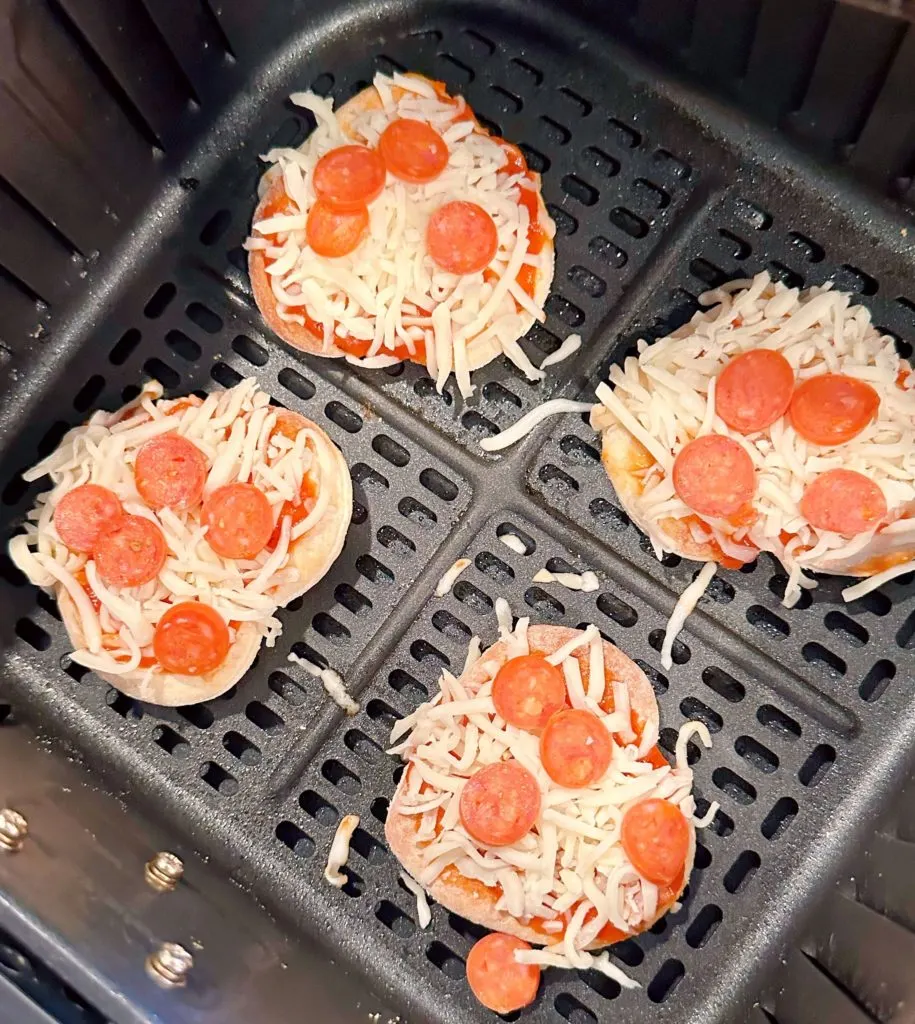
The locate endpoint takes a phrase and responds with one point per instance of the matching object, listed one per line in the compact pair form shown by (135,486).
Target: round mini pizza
(776,420)
(536,802)
(174,531)
(402,229)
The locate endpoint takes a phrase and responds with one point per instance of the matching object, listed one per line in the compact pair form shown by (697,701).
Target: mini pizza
(777,420)
(402,229)
(174,531)
(535,802)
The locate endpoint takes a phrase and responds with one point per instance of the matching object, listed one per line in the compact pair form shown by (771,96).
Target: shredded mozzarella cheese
(522,427)
(331,681)
(450,577)
(339,850)
(233,430)
(586,581)
(570,872)
(683,608)
(388,291)
(514,543)
(568,348)
(665,396)
(875,582)
(423,911)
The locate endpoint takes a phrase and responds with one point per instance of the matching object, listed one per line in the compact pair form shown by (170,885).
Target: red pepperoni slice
(831,409)
(349,177)
(132,554)
(500,803)
(462,237)
(714,476)
(843,501)
(413,151)
(528,690)
(333,232)
(191,638)
(239,520)
(495,976)
(655,837)
(754,390)
(84,514)
(576,748)
(170,472)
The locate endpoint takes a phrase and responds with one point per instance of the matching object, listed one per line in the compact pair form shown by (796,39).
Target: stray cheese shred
(448,580)
(514,543)
(339,850)
(586,581)
(423,911)
(683,608)
(568,348)
(522,427)
(331,681)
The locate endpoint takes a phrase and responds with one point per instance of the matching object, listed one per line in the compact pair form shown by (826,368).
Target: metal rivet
(13,830)
(169,965)
(164,871)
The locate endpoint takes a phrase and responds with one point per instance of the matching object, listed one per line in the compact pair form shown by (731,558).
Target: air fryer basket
(126,186)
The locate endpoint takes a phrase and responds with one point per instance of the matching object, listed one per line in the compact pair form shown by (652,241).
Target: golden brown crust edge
(477,903)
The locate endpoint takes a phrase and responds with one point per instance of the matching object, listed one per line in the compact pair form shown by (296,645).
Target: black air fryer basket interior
(682,142)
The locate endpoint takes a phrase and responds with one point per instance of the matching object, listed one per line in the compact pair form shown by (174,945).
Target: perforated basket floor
(811,710)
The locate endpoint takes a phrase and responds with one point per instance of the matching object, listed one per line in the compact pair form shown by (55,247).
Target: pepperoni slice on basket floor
(843,501)
(132,554)
(831,408)
(413,151)
(576,748)
(239,520)
(500,803)
(655,837)
(528,691)
(349,177)
(85,514)
(170,471)
(714,476)
(191,639)
(462,238)
(495,976)
(335,233)
(754,390)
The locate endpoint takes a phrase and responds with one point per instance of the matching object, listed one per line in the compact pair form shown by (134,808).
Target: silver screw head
(169,965)
(164,871)
(13,830)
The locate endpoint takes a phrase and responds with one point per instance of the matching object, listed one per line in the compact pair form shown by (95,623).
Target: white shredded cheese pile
(233,430)
(570,868)
(388,291)
(664,397)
